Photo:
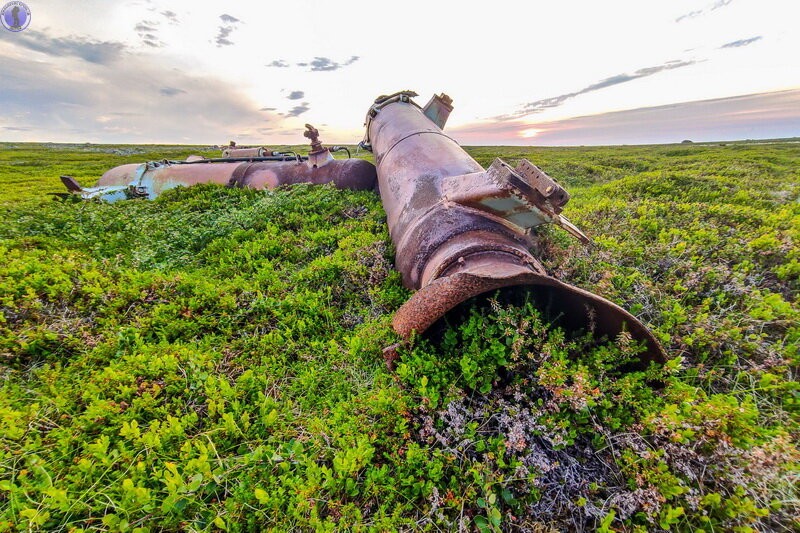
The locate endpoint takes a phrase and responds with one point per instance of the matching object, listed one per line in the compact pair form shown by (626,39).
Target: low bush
(212,360)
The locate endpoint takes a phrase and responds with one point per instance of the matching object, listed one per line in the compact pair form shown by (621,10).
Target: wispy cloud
(151,40)
(741,42)
(171,91)
(318,64)
(223,32)
(689,15)
(708,9)
(222,36)
(147,31)
(296,111)
(94,102)
(296,95)
(754,116)
(146,26)
(554,101)
(720,3)
(170,16)
(91,50)
(325,64)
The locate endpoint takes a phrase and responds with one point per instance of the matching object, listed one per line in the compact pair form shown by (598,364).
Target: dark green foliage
(212,360)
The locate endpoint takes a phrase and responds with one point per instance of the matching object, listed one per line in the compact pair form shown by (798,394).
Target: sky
(519,72)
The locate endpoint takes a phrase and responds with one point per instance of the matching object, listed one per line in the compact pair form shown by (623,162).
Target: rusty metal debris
(253,167)
(246,151)
(461,231)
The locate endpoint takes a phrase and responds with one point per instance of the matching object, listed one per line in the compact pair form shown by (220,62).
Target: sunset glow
(529,133)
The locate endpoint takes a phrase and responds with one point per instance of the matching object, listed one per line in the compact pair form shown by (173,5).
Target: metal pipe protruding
(252,167)
(155,177)
(461,231)
(246,152)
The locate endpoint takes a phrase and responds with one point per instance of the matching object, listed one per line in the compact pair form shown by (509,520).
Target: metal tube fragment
(252,167)
(461,231)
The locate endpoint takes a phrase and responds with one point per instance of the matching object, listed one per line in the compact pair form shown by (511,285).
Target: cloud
(151,41)
(689,15)
(741,42)
(171,16)
(222,37)
(171,91)
(146,26)
(296,95)
(224,31)
(720,3)
(147,31)
(325,64)
(554,101)
(267,109)
(91,50)
(754,116)
(318,64)
(115,103)
(713,7)
(296,111)
(322,64)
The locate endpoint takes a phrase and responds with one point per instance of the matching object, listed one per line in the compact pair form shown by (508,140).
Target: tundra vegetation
(212,360)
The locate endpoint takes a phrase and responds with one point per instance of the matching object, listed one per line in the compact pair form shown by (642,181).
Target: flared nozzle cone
(578,309)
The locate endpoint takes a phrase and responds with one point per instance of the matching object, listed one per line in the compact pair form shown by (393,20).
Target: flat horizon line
(766,140)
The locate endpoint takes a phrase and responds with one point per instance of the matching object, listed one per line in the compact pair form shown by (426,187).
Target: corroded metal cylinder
(460,230)
(257,151)
(155,177)
(252,167)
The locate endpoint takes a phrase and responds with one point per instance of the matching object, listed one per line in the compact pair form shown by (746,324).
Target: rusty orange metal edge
(435,300)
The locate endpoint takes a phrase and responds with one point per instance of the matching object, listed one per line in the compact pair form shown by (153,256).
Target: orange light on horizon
(530,132)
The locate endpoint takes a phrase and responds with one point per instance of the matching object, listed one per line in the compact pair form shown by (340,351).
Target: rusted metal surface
(574,308)
(438,109)
(233,150)
(253,167)
(319,156)
(151,179)
(312,134)
(461,231)
(259,151)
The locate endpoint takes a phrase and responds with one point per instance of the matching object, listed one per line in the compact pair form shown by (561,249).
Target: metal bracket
(381,102)
(110,193)
(524,196)
(438,109)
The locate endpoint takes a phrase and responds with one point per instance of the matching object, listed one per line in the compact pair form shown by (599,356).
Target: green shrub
(212,360)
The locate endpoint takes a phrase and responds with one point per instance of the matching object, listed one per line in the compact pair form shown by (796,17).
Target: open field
(212,360)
